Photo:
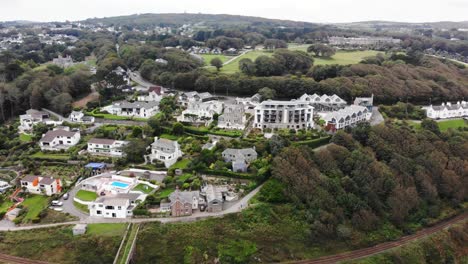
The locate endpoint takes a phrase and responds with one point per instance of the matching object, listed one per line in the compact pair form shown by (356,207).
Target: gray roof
(213,193)
(165,144)
(51,135)
(47,180)
(237,152)
(103,141)
(184,197)
(29,178)
(450,107)
(136,104)
(36,113)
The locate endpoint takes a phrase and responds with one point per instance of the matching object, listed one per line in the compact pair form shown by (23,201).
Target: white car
(58,209)
(57,203)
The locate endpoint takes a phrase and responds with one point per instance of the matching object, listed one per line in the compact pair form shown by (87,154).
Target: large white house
(324,102)
(233,117)
(165,150)
(106,147)
(59,138)
(201,111)
(155,94)
(447,110)
(294,114)
(34,117)
(41,185)
(133,109)
(346,117)
(79,117)
(191,97)
(118,206)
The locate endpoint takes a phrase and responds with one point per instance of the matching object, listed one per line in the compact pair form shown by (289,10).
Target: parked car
(58,209)
(57,203)
(65,196)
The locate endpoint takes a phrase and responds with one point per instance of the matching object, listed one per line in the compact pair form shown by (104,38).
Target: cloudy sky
(301,10)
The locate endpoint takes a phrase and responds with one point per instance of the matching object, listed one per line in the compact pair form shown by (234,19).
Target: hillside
(201,19)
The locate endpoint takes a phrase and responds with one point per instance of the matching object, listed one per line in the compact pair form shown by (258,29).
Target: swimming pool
(120,185)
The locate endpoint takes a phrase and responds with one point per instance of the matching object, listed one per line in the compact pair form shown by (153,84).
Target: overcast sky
(300,10)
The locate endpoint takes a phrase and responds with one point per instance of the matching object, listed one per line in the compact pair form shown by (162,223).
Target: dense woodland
(375,177)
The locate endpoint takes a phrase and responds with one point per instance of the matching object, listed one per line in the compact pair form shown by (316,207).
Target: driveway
(377,117)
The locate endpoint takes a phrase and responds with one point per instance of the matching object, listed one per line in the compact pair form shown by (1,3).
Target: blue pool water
(120,185)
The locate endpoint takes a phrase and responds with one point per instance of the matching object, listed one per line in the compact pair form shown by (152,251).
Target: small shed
(79,229)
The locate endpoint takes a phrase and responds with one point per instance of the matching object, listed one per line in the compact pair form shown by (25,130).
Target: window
(98,212)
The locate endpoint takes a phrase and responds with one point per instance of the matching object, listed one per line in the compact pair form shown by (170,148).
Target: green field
(143,188)
(106,229)
(208,57)
(5,205)
(165,192)
(51,156)
(86,196)
(341,57)
(25,137)
(445,125)
(35,205)
(181,164)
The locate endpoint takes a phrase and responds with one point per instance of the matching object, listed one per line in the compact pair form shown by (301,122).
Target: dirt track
(17,260)
(365,252)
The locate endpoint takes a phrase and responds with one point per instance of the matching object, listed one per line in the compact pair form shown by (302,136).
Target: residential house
(79,117)
(165,150)
(201,112)
(294,114)
(4,186)
(116,206)
(239,158)
(106,147)
(41,185)
(155,94)
(214,196)
(63,62)
(59,138)
(367,102)
(324,103)
(447,110)
(34,117)
(119,71)
(182,203)
(233,117)
(133,109)
(346,117)
(254,100)
(192,97)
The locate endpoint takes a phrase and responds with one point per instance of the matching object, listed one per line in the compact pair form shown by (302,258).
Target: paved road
(377,117)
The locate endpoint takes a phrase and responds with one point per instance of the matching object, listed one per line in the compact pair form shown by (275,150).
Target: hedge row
(314,143)
(230,174)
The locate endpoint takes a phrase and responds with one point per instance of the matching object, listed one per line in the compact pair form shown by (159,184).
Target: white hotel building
(447,110)
(294,114)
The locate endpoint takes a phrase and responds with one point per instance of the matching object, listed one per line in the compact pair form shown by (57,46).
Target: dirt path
(366,252)
(17,260)
(93,96)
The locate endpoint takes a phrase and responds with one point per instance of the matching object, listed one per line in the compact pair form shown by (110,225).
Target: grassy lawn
(168,136)
(341,57)
(345,57)
(25,137)
(181,164)
(86,196)
(164,193)
(444,125)
(5,205)
(456,123)
(81,207)
(233,67)
(143,188)
(116,229)
(208,57)
(52,156)
(113,117)
(35,205)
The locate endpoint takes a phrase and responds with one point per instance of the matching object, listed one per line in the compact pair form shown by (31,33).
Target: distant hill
(391,24)
(202,19)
